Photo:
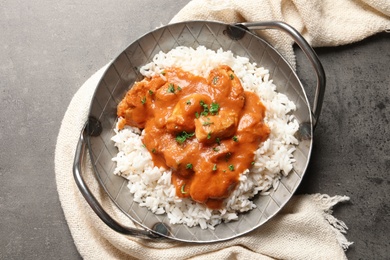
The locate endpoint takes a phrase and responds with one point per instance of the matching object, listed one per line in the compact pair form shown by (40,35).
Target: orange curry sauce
(205,129)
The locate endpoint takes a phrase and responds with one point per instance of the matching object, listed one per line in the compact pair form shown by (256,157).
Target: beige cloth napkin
(321,22)
(304,229)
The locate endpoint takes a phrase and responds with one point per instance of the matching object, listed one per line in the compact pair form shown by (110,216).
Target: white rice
(152,187)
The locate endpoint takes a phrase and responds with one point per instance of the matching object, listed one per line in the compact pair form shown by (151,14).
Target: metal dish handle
(307,50)
(90,198)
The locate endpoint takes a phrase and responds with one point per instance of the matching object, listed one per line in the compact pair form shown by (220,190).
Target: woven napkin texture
(321,22)
(304,229)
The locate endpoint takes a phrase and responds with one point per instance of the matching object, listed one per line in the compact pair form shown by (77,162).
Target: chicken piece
(221,125)
(226,84)
(251,123)
(137,100)
(181,158)
(131,108)
(184,113)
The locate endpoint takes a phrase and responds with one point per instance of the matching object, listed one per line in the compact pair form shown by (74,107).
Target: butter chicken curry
(205,130)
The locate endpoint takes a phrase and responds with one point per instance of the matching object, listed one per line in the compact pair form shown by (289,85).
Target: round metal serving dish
(124,71)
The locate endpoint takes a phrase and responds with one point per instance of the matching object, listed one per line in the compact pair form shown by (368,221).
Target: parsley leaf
(182,189)
(208,122)
(183,136)
(205,107)
(227,156)
(214,107)
(171,88)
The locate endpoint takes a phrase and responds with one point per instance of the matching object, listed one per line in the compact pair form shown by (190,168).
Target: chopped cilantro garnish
(231,167)
(227,156)
(205,107)
(207,122)
(196,114)
(231,76)
(214,107)
(143,100)
(179,88)
(218,140)
(189,166)
(209,135)
(214,167)
(183,136)
(182,189)
(150,92)
(171,88)
(188,102)
(216,149)
(235,138)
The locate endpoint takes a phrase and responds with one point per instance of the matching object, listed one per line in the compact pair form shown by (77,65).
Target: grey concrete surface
(49,48)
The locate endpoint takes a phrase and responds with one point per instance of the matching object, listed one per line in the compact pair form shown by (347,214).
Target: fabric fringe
(326,203)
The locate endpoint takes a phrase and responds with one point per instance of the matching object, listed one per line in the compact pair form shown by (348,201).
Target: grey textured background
(49,48)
